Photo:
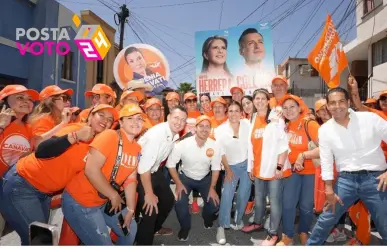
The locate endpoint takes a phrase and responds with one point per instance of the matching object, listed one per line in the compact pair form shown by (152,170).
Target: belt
(362,172)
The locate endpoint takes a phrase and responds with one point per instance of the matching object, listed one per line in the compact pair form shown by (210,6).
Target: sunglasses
(190,101)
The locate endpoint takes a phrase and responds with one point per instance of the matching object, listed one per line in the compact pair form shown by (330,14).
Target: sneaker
(220,236)
(251,227)
(195,209)
(353,242)
(303,238)
(270,240)
(164,231)
(249,207)
(336,236)
(237,227)
(183,234)
(285,241)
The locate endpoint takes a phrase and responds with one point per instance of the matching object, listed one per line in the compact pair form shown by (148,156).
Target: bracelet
(75,137)
(130,210)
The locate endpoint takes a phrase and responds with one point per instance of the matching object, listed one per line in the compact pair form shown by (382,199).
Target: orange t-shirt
(42,125)
(82,190)
(273,103)
(15,140)
(298,142)
(52,175)
(214,124)
(209,114)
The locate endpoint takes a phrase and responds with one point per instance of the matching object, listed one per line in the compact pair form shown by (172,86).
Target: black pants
(151,224)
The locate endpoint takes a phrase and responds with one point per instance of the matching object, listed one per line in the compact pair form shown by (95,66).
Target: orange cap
(136,94)
(108,108)
(84,114)
(219,100)
(172,95)
(303,106)
(101,89)
(280,77)
(130,110)
(189,95)
(371,101)
(202,118)
(235,88)
(13,89)
(53,90)
(152,101)
(384,93)
(319,103)
(74,109)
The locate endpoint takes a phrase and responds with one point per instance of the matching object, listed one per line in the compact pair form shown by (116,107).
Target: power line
(221,13)
(244,19)
(288,13)
(173,5)
(109,7)
(118,4)
(134,31)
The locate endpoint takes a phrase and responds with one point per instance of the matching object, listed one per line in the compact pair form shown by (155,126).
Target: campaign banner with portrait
(142,61)
(238,56)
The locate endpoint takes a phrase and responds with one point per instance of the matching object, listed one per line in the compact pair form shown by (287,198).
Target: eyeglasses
(190,101)
(133,120)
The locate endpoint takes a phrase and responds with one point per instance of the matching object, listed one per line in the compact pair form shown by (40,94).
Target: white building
(367,54)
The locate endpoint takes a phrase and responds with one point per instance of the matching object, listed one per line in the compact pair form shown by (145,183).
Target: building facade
(367,53)
(37,72)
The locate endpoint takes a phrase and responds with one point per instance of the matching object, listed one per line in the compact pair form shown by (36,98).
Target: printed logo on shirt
(294,138)
(258,133)
(210,152)
(129,161)
(13,147)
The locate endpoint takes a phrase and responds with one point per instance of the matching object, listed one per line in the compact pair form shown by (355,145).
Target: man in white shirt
(155,197)
(201,157)
(352,140)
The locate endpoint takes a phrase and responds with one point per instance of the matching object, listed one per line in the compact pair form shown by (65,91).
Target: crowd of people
(113,164)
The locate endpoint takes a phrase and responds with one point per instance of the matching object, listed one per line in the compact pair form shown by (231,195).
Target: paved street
(198,235)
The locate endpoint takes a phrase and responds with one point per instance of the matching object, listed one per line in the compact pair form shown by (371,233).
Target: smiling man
(351,140)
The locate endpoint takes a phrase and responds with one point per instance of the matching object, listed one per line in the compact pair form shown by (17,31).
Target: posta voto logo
(90,40)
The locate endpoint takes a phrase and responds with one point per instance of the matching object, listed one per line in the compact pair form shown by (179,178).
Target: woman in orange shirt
(92,200)
(50,115)
(15,133)
(299,187)
(153,111)
(29,185)
(205,101)
(267,176)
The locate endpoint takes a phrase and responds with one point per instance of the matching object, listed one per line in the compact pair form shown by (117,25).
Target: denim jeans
(350,188)
(274,189)
(91,224)
(23,204)
(298,189)
(181,206)
(228,190)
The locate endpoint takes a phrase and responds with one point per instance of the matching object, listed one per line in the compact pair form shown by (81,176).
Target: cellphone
(121,220)
(43,234)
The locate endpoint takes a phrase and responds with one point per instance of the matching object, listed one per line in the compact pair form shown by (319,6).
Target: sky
(170,25)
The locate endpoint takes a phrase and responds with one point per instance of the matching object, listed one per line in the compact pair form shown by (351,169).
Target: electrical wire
(118,4)
(109,7)
(244,19)
(221,14)
(173,5)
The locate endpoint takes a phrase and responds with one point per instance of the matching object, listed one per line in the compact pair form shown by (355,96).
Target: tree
(186,87)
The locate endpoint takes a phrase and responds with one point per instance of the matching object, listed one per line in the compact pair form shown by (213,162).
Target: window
(379,52)
(313,72)
(67,66)
(368,5)
(100,71)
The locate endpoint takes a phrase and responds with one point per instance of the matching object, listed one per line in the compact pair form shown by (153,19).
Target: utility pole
(122,17)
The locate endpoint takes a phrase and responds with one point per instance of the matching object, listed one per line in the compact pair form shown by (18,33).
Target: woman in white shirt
(232,137)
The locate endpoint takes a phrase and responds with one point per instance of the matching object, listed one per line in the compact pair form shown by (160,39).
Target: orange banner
(328,56)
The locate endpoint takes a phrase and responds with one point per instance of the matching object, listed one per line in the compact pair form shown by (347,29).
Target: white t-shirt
(196,161)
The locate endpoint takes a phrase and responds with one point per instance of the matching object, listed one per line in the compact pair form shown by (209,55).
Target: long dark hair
(6,104)
(267,94)
(130,50)
(249,98)
(206,47)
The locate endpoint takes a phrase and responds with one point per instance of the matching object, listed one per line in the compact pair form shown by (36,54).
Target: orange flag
(328,56)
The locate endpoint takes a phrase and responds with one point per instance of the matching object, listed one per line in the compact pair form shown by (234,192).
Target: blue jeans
(23,204)
(298,189)
(350,188)
(274,189)
(228,190)
(181,206)
(91,224)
